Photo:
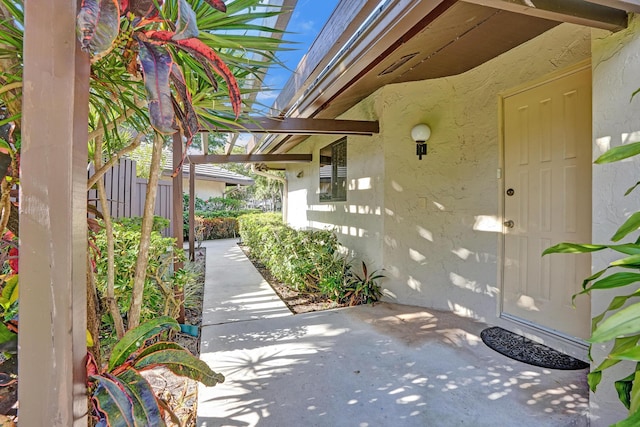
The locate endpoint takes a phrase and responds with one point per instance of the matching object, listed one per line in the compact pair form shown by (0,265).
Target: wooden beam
(177,203)
(299,126)
(53,219)
(192,209)
(250,158)
(628,5)
(574,11)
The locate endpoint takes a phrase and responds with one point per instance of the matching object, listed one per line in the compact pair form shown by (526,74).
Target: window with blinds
(333,172)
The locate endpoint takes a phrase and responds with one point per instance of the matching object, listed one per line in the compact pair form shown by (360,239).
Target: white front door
(547,200)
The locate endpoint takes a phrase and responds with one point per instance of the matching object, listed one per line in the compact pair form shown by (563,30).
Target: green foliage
(120,395)
(216,224)
(158,293)
(622,326)
(363,289)
(231,206)
(135,223)
(215,228)
(308,260)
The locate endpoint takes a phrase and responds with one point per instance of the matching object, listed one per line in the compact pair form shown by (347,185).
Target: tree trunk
(106,214)
(145,234)
(93,312)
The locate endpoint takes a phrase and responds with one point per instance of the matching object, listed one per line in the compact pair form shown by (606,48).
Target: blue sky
(309,16)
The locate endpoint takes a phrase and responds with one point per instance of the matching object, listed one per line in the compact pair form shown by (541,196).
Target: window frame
(337,185)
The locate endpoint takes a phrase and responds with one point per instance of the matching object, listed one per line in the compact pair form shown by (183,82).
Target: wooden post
(178,221)
(192,208)
(53,219)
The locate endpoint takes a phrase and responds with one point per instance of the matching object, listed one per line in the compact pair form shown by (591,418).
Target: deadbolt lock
(509,224)
(510,192)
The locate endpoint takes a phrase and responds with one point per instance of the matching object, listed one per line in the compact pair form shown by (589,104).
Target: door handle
(509,224)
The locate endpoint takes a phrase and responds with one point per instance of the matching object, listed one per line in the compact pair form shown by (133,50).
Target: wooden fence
(126,193)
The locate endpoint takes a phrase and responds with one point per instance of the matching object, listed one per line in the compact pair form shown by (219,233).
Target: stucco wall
(205,189)
(359,220)
(442,216)
(433,224)
(616,120)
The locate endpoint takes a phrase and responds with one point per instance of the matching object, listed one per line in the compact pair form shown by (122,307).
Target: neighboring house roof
(366,45)
(210,173)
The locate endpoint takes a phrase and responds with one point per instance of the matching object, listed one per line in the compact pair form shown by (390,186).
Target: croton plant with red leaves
(98,26)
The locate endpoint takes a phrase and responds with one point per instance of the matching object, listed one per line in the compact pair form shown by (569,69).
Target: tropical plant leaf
(111,401)
(616,280)
(630,225)
(98,24)
(616,303)
(180,362)
(162,345)
(573,248)
(621,323)
(5,334)
(632,261)
(186,114)
(144,8)
(623,387)
(631,188)
(157,63)
(186,27)
(632,421)
(619,153)
(635,393)
(145,405)
(134,338)
(217,4)
(197,48)
(10,291)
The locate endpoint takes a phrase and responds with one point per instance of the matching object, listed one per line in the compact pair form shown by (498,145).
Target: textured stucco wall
(616,120)
(432,224)
(442,216)
(357,221)
(205,189)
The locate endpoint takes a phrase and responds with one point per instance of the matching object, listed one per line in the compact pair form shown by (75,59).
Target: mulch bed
(297,302)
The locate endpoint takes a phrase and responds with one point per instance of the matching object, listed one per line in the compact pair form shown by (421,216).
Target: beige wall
(442,217)
(205,189)
(616,120)
(433,224)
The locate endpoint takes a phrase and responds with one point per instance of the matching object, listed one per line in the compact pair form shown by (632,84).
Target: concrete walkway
(383,365)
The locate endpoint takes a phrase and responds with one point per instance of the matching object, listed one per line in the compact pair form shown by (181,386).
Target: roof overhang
(367,44)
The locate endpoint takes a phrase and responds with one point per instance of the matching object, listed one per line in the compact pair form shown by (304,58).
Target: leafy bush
(120,395)
(308,261)
(158,290)
(215,228)
(159,223)
(214,204)
(214,224)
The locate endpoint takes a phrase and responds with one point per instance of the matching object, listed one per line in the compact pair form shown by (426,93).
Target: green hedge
(214,224)
(309,260)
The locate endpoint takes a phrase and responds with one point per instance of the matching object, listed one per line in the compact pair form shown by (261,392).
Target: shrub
(308,261)
(158,288)
(214,224)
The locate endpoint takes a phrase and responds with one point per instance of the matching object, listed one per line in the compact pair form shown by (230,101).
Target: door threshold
(557,340)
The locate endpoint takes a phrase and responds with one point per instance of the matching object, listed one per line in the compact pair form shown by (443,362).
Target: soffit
(449,39)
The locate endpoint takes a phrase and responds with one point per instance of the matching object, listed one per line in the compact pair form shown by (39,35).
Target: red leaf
(98,24)
(217,4)
(144,8)
(186,27)
(198,50)
(156,64)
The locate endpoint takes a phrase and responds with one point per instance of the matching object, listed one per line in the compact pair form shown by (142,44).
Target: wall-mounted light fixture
(420,134)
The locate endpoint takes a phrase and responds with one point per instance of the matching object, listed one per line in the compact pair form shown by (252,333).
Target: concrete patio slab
(382,365)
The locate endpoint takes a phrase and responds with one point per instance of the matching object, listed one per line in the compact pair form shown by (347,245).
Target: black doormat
(524,350)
